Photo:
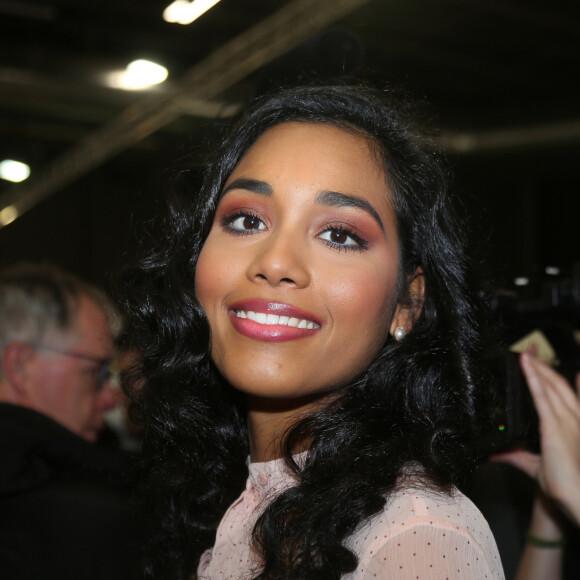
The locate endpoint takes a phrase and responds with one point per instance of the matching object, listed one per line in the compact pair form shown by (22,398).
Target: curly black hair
(420,402)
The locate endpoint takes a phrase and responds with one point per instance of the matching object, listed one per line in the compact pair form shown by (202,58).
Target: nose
(281,259)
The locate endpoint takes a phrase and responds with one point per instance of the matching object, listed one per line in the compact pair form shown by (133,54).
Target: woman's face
(298,274)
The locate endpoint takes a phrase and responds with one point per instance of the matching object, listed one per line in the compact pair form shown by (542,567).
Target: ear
(409,308)
(16,357)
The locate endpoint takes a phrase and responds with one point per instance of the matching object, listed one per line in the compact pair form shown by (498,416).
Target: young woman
(308,312)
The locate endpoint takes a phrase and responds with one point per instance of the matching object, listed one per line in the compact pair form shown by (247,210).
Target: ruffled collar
(273,477)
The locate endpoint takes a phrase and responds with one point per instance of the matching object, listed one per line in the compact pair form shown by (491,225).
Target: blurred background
(98,133)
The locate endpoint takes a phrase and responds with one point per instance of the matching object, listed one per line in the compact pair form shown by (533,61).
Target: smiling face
(298,274)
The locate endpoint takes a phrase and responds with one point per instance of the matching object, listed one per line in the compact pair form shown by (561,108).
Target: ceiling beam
(515,138)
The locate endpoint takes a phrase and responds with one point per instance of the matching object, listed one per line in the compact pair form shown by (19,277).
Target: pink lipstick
(272,321)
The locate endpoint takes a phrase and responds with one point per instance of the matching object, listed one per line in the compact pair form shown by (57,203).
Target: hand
(557,469)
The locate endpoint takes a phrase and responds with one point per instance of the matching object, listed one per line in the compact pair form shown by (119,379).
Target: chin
(279,392)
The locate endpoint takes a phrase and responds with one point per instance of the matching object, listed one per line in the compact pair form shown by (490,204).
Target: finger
(561,394)
(547,385)
(536,385)
(523,460)
(556,418)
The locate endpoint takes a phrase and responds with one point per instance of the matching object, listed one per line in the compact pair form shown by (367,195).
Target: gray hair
(37,299)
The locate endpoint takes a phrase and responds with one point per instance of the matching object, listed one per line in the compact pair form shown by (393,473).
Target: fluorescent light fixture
(552,270)
(8,215)
(184,12)
(521,281)
(177,12)
(139,74)
(14,171)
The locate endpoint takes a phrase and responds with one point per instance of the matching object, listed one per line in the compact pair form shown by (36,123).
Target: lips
(272,321)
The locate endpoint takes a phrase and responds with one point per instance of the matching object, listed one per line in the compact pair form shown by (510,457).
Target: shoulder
(426,534)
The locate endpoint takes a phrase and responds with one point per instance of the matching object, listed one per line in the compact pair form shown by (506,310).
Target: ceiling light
(8,215)
(184,12)
(139,74)
(14,171)
(552,270)
(521,281)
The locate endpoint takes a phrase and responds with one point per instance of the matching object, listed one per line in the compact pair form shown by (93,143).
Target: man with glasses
(63,499)
(57,344)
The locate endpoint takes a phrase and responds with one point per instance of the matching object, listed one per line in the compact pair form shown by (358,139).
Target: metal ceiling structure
(229,64)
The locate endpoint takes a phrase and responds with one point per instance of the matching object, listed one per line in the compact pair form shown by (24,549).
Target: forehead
(90,328)
(324,155)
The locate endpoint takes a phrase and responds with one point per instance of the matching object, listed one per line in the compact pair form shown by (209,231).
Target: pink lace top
(420,534)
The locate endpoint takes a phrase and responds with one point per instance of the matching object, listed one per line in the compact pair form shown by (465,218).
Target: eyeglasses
(104,374)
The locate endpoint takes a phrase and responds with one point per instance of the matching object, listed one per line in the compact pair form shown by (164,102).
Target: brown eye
(251,223)
(338,237)
(244,223)
(343,239)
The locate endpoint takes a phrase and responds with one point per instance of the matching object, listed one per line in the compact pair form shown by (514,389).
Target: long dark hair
(416,404)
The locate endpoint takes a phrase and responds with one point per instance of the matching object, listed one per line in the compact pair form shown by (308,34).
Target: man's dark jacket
(64,504)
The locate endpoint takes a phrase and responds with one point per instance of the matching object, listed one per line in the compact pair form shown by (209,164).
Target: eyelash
(361,244)
(228,220)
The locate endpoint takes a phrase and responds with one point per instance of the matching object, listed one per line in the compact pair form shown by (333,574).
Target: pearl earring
(399,333)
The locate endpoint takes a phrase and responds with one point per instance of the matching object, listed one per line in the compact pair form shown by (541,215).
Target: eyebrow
(336,199)
(252,185)
(329,198)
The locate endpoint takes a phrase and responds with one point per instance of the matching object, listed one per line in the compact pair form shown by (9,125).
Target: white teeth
(274,319)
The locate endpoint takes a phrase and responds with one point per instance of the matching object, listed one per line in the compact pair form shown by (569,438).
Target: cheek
(215,278)
(208,277)
(58,386)
(364,301)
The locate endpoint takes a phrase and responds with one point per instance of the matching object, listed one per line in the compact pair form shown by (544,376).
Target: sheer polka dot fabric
(420,534)
(426,535)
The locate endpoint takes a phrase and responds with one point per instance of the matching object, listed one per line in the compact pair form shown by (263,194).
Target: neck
(269,421)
